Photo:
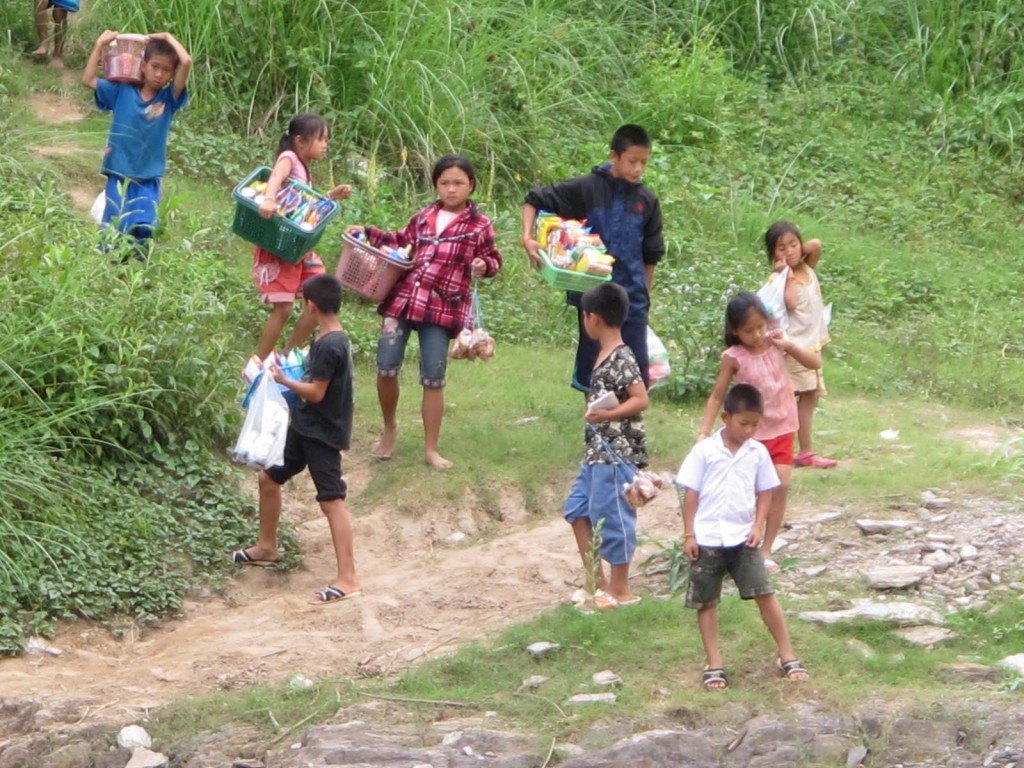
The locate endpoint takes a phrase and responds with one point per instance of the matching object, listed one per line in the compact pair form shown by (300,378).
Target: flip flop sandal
(713,679)
(241,557)
(811,459)
(792,667)
(332,595)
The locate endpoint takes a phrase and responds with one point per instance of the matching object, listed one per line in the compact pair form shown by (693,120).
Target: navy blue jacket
(626,216)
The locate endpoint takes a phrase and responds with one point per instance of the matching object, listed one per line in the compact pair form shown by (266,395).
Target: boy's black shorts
(324,464)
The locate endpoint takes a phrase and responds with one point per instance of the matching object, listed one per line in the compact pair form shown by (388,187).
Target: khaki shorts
(745,565)
(805,379)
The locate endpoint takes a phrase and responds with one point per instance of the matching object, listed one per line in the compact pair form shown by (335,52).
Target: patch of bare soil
(53,108)
(425,592)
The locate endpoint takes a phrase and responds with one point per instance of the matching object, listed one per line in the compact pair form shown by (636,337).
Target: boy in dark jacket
(627,216)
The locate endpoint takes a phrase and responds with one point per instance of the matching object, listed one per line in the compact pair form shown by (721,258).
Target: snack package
(658,368)
(645,486)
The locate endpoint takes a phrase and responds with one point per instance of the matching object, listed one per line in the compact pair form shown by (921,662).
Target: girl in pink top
(278,281)
(756,355)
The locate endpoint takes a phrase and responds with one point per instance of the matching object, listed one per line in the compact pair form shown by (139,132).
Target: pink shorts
(280,281)
(780,448)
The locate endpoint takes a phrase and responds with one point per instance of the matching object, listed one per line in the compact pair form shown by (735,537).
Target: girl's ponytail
(285,143)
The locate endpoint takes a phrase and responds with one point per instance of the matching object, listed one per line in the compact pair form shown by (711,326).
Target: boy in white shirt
(728,480)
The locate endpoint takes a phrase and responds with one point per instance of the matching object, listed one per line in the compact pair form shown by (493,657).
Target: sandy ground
(424,593)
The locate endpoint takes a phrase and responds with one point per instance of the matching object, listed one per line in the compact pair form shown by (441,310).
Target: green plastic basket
(567,279)
(281,236)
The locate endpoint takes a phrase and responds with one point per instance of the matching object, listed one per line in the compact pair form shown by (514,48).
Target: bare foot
(386,447)
(436,460)
(57,62)
(39,54)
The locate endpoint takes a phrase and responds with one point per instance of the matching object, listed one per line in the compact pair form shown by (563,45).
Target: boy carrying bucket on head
(136,155)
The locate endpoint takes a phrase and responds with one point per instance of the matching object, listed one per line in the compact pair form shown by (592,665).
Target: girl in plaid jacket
(451,242)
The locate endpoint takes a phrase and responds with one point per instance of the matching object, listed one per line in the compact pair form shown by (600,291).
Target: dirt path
(424,594)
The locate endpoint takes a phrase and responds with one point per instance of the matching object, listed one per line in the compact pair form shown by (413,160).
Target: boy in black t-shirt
(320,428)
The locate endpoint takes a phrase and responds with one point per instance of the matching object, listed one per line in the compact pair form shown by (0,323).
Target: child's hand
(341,192)
(690,548)
(268,206)
(275,373)
(106,37)
(778,338)
(754,538)
(596,416)
(479,267)
(531,246)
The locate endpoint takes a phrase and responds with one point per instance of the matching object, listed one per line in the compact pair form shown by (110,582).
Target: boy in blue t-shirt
(136,155)
(627,216)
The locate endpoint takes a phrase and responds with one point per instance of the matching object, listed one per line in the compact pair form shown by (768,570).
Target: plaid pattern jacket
(437,290)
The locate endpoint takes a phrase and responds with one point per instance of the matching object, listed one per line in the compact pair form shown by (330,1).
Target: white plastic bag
(773,296)
(261,441)
(658,366)
(99,205)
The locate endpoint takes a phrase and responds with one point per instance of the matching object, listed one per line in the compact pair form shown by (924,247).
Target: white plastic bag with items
(99,205)
(773,295)
(261,441)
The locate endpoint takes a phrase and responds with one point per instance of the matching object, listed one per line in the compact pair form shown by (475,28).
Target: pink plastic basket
(368,271)
(122,62)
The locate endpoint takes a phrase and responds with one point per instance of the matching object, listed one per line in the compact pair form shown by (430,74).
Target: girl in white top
(807,327)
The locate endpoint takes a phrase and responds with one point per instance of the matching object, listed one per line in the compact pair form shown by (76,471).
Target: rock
(870,527)
(300,681)
(855,757)
(606,677)
(593,698)
(861,648)
(814,570)
(38,645)
(533,681)
(133,736)
(541,648)
(248,764)
(899,613)
(926,636)
(824,517)
(898,576)
(940,561)
(930,501)
(1013,663)
(968,552)
(143,758)
(889,435)
(779,543)
(969,670)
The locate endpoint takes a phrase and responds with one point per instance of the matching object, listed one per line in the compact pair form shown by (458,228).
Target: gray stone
(144,758)
(1013,663)
(534,681)
(968,552)
(940,561)
(870,527)
(679,749)
(969,670)
(132,736)
(593,698)
(541,648)
(899,613)
(926,636)
(855,757)
(824,517)
(606,677)
(898,576)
